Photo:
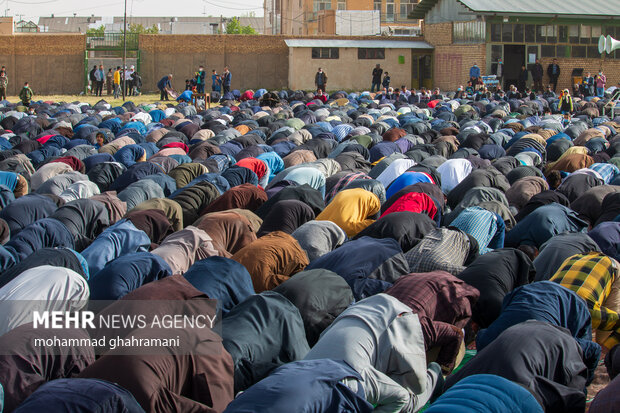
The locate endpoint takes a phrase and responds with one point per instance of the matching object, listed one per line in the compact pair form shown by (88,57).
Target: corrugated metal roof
(387,44)
(576,8)
(560,7)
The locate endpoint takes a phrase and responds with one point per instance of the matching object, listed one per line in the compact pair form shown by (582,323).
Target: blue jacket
(474,72)
(226,78)
(163,83)
(486,393)
(303,387)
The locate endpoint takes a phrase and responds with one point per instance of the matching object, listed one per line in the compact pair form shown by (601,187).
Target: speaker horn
(612,44)
(602,44)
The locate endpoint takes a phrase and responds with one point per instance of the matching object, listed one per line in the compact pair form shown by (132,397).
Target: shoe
(438,390)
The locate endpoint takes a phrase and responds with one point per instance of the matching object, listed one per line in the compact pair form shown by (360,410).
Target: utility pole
(124,85)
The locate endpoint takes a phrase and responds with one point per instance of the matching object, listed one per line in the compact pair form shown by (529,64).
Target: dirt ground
(91,99)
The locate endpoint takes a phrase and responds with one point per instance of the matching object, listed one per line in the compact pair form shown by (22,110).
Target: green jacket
(26,94)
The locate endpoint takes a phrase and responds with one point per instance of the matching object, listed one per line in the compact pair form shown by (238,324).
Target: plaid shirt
(443,304)
(607,171)
(591,277)
(443,249)
(485,226)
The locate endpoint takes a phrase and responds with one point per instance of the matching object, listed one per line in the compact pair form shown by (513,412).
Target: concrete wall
(451,63)
(348,72)
(52,63)
(254,61)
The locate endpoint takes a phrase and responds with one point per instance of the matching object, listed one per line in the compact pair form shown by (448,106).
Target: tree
(100,31)
(138,28)
(234,27)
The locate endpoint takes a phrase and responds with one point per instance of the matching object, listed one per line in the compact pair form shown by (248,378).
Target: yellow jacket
(117,77)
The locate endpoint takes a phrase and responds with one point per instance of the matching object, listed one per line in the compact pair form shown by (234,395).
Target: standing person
(386,81)
(474,72)
(588,84)
(215,82)
(226,80)
(566,105)
(4,83)
(129,81)
(377,72)
(136,81)
(164,84)
(200,80)
(523,75)
(553,71)
(93,80)
(109,81)
(100,76)
(26,94)
(600,81)
(537,75)
(499,73)
(320,80)
(117,82)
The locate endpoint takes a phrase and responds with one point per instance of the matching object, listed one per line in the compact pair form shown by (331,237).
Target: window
(578,51)
(551,34)
(584,32)
(547,51)
(342,4)
(518,33)
(562,34)
(563,51)
(325,53)
(530,33)
(496,52)
(573,34)
(468,32)
(377,5)
(541,34)
(593,52)
(389,10)
(322,5)
(496,32)
(370,53)
(506,32)
(406,7)
(596,33)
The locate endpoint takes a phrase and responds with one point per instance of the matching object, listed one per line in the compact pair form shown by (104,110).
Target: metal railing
(112,41)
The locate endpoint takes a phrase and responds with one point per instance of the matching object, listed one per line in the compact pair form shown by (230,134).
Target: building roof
(577,8)
(387,44)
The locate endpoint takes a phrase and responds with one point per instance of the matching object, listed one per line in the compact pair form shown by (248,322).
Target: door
(421,70)
(514,58)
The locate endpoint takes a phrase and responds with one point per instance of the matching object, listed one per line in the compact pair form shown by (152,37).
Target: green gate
(107,49)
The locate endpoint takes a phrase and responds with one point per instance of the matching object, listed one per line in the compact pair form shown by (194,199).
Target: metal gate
(107,50)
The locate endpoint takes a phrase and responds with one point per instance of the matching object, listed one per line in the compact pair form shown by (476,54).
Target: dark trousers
(321,87)
(163,94)
(2,93)
(376,85)
(553,80)
(226,89)
(200,88)
(99,87)
(538,86)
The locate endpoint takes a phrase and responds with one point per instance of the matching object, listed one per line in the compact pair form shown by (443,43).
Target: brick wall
(611,69)
(51,63)
(451,63)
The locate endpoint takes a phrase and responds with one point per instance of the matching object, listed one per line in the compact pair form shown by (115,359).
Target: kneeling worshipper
(443,304)
(443,249)
(607,400)
(552,303)
(272,259)
(306,386)
(495,274)
(381,338)
(486,393)
(25,366)
(263,332)
(555,251)
(80,396)
(592,276)
(195,378)
(352,210)
(543,358)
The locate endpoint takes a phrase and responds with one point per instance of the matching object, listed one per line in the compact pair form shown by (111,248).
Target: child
(386,81)
(26,94)
(565,105)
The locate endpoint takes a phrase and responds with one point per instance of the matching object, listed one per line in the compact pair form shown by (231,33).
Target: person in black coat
(553,71)
(523,75)
(537,75)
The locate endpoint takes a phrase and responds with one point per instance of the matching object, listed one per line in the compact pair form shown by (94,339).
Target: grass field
(148,98)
